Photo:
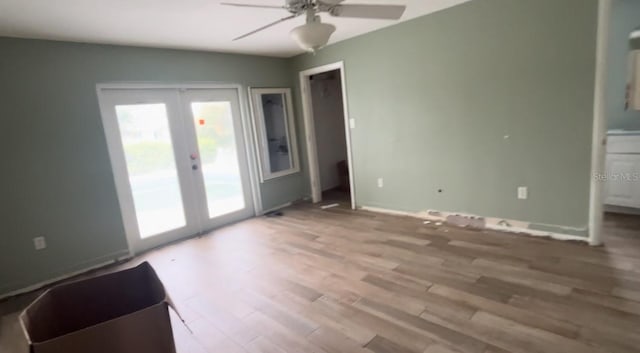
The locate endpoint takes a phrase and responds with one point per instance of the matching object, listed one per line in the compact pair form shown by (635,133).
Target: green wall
(56,175)
(434,97)
(625,17)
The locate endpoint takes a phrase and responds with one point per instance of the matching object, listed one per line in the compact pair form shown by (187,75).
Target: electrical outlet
(352,123)
(39,243)
(523,193)
(380,182)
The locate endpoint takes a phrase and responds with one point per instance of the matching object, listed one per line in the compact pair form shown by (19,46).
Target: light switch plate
(39,243)
(523,193)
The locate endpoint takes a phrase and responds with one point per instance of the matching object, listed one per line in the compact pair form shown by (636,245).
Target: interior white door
(179,161)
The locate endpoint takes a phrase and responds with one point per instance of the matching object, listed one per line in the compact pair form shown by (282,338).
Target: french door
(179,161)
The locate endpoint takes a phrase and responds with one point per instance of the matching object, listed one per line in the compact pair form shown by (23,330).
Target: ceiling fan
(314,34)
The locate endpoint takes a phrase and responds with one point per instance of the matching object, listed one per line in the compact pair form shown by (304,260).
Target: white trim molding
(252,158)
(310,134)
(599,137)
(260,128)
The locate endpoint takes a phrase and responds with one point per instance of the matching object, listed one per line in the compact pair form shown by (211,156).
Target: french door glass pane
(218,157)
(150,158)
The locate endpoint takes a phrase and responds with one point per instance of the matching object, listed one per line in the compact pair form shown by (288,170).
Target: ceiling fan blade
(383,12)
(252,5)
(267,26)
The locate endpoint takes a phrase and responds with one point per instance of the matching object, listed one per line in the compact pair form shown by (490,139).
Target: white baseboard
(390,212)
(116,257)
(515,227)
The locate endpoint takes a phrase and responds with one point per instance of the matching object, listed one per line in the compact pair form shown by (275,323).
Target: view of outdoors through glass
(150,158)
(218,157)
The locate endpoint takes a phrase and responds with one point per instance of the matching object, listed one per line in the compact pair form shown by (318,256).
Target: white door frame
(246,127)
(310,133)
(599,137)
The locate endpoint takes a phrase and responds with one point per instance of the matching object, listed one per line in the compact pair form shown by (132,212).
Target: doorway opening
(622,161)
(328,134)
(615,187)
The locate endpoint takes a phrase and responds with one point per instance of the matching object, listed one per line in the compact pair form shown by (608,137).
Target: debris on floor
(464,221)
(273,214)
(330,206)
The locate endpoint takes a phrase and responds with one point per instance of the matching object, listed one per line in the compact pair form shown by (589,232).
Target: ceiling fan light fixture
(313,35)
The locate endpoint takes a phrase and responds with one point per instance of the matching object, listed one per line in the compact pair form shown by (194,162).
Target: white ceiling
(181,24)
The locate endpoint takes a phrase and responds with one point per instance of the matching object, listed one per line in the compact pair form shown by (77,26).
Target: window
(274,124)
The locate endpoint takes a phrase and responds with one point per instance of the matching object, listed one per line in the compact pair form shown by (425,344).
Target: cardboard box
(121,312)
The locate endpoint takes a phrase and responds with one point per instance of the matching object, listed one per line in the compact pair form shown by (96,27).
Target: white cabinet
(623,171)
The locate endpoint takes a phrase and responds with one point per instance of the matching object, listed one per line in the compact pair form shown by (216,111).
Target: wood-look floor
(342,281)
